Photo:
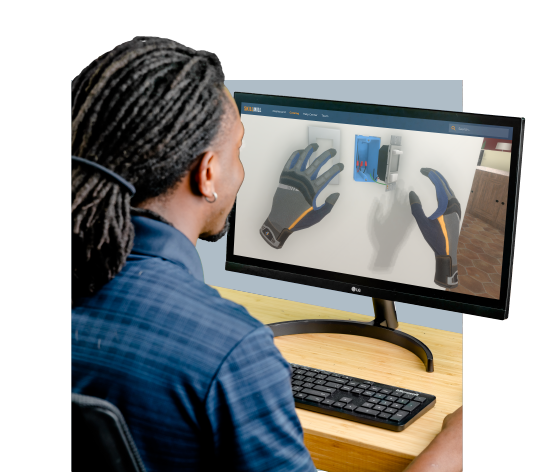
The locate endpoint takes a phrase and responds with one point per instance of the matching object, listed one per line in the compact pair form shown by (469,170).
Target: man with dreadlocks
(155,144)
(198,380)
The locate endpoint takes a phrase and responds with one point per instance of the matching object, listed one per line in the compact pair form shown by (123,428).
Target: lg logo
(355,289)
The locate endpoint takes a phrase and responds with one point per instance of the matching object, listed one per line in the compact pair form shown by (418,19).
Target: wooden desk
(338,445)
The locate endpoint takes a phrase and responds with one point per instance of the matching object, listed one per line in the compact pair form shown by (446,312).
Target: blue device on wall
(366,158)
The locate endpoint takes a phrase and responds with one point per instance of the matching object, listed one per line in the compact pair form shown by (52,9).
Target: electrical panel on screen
(418,202)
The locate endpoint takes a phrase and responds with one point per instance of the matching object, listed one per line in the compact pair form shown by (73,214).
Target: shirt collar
(154,238)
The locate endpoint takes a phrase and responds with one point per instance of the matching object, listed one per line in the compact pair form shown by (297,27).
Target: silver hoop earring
(211,201)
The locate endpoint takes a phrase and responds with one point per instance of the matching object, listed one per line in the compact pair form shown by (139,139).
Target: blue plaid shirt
(199,381)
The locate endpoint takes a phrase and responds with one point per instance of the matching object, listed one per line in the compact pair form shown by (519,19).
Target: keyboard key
(303,368)
(380,396)
(297,383)
(397,406)
(347,388)
(297,389)
(364,386)
(333,385)
(313,398)
(391,398)
(368,411)
(379,407)
(345,399)
(352,383)
(315,392)
(339,404)
(321,376)
(399,416)
(408,396)
(384,415)
(299,371)
(314,370)
(386,391)
(374,400)
(308,385)
(357,390)
(324,389)
(391,411)
(300,395)
(368,405)
(385,403)
(320,382)
(411,406)
(375,389)
(327,402)
(336,375)
(396,394)
(368,393)
(350,407)
(310,374)
(403,401)
(419,399)
(332,378)
(298,377)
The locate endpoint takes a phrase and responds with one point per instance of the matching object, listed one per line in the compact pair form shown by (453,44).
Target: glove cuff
(446,273)
(273,237)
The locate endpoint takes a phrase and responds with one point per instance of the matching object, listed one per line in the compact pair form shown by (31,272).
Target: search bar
(477,130)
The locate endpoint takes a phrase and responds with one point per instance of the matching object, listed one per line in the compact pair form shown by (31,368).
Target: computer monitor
(394,203)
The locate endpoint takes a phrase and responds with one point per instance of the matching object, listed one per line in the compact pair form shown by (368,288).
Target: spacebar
(315,392)
(367,411)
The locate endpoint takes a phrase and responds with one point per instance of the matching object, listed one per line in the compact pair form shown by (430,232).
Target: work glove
(441,229)
(294,204)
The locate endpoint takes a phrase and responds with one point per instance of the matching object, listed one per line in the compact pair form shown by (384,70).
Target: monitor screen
(398,203)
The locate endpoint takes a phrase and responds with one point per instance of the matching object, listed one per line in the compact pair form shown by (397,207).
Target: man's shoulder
(165,293)
(189,295)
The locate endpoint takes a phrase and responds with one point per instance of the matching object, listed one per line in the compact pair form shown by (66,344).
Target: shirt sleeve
(251,410)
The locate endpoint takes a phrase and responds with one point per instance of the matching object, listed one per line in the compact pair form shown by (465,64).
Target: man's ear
(202,175)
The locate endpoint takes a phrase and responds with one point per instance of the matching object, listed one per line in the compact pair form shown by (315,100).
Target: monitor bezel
(469,304)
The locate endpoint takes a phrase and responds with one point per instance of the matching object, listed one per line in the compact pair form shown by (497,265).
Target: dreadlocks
(145,110)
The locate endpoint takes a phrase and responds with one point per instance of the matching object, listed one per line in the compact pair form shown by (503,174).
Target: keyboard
(371,403)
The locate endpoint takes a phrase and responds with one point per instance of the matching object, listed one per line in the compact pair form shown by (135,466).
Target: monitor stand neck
(383,327)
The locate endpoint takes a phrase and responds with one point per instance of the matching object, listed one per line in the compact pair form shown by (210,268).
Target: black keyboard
(358,400)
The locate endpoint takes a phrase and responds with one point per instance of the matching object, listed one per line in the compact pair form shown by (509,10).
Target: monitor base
(383,327)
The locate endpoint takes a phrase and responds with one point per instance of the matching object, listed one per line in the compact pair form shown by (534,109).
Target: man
(198,380)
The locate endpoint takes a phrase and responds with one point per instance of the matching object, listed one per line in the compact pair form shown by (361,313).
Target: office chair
(101,440)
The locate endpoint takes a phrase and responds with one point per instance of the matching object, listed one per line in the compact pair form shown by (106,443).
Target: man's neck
(134,211)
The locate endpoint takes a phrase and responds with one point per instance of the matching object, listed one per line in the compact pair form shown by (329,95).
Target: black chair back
(101,440)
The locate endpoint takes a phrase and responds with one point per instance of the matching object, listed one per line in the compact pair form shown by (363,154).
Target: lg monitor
(394,203)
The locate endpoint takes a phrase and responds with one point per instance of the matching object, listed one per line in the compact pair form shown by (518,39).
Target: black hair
(146,110)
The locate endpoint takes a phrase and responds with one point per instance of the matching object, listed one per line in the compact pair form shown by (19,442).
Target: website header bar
(378,121)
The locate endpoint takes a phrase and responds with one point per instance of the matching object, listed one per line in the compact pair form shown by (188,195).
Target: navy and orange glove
(441,229)
(294,204)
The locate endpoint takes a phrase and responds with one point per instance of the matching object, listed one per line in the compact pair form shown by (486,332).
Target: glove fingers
(320,161)
(431,229)
(332,198)
(325,178)
(293,159)
(426,170)
(413,198)
(443,194)
(302,161)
